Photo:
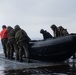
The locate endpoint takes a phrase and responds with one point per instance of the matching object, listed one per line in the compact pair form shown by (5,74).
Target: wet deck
(12,67)
(6,64)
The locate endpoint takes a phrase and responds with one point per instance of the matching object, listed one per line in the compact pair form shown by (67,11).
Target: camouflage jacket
(21,36)
(11,34)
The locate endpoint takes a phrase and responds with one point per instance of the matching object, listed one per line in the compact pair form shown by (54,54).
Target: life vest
(3,33)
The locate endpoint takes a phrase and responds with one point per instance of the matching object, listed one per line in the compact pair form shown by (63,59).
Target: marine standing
(4,39)
(22,40)
(12,44)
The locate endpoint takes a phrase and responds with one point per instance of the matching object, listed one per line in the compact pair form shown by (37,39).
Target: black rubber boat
(53,49)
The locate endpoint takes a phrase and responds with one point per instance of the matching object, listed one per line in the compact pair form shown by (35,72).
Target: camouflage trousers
(23,50)
(13,48)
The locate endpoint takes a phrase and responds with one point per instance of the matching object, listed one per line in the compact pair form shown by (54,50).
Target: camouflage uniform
(62,31)
(22,40)
(12,44)
(55,30)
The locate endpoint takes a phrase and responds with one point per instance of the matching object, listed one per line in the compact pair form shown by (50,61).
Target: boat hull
(57,49)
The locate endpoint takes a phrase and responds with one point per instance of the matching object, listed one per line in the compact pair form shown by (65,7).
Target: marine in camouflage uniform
(62,31)
(22,40)
(12,46)
(55,30)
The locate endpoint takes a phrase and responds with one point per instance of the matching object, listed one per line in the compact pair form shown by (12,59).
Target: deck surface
(13,64)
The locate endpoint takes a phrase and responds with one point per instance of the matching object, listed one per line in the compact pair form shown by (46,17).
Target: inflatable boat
(53,49)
